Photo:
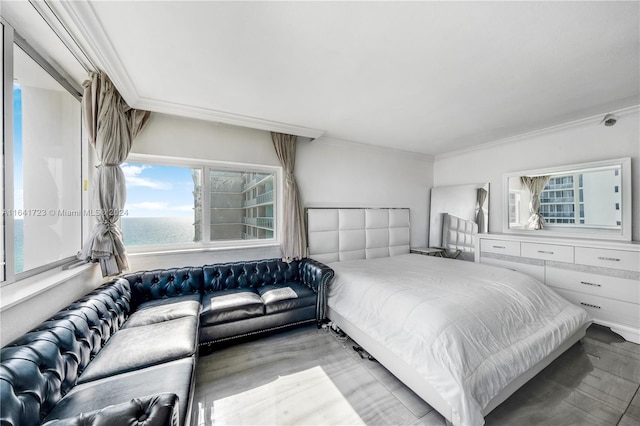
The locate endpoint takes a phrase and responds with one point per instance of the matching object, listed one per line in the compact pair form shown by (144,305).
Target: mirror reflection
(588,197)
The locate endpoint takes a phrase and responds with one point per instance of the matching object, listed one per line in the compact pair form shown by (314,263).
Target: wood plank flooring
(309,376)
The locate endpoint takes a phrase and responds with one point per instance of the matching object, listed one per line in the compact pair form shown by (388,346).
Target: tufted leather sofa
(126,352)
(242,298)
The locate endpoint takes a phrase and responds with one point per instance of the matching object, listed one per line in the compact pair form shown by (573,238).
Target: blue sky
(158,191)
(17,146)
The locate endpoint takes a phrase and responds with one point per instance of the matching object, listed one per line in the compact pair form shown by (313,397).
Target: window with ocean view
(178,205)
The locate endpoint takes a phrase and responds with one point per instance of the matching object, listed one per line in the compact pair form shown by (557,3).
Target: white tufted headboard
(357,233)
(459,234)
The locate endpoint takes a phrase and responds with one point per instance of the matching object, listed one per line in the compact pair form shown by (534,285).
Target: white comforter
(468,329)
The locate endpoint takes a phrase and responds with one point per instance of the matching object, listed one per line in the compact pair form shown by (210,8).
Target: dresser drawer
(547,252)
(601,308)
(535,271)
(616,259)
(622,289)
(511,248)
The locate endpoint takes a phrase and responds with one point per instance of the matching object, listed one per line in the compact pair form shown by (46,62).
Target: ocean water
(138,231)
(142,231)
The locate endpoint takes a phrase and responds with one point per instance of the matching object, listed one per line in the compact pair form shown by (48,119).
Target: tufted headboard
(459,234)
(335,234)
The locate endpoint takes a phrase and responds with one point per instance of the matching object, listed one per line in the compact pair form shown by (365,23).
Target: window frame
(10,39)
(206,244)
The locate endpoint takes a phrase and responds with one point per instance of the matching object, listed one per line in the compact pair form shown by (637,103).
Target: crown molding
(342,143)
(81,21)
(51,15)
(207,114)
(593,119)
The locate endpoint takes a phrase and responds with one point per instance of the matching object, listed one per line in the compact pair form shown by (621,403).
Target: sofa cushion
(173,377)
(143,346)
(156,410)
(284,297)
(156,311)
(230,305)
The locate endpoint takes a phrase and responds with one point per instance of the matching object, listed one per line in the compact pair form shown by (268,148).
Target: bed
(462,335)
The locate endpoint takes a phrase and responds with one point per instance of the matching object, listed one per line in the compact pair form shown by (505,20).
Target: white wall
(21,317)
(329,173)
(174,136)
(578,143)
(332,173)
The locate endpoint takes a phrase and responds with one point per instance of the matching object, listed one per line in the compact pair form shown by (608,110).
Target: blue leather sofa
(126,352)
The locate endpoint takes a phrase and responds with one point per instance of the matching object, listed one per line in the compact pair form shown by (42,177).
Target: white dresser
(601,276)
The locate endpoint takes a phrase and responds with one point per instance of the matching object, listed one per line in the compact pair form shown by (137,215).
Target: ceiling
(425,77)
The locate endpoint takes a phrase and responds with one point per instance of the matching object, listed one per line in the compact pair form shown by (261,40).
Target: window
(242,205)
(197,204)
(162,205)
(42,170)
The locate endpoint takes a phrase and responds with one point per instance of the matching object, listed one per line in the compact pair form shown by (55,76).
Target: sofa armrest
(155,410)
(317,276)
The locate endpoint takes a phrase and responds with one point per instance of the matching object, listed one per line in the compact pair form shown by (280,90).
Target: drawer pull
(545,252)
(590,305)
(612,259)
(499,247)
(588,283)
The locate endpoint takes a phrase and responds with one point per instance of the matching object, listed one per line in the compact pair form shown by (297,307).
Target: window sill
(19,291)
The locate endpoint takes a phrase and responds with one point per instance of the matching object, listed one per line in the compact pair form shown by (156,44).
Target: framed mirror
(580,200)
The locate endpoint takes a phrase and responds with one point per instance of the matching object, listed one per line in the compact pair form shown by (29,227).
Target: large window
(42,167)
(197,204)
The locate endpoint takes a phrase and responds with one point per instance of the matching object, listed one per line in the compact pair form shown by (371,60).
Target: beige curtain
(480,217)
(111,127)
(535,185)
(294,239)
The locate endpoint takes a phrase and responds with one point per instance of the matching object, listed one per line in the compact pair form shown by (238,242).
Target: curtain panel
(535,185)
(480,218)
(111,126)
(294,241)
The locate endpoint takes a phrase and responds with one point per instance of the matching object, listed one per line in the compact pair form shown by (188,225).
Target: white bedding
(467,329)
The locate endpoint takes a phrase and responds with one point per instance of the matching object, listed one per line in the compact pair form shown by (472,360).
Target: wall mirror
(580,200)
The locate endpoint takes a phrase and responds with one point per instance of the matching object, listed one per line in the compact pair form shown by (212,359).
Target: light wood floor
(309,376)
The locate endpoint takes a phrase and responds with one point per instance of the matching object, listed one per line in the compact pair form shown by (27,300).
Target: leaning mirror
(580,200)
(457,213)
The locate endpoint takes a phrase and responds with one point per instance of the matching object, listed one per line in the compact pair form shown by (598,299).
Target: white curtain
(294,240)
(535,185)
(111,127)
